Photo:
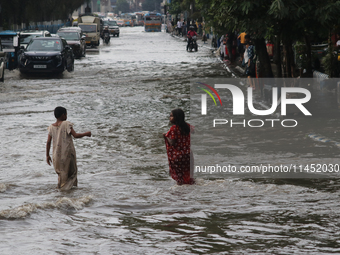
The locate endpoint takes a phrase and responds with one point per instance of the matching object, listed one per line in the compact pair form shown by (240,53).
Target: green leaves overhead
(23,11)
(265,18)
(122,6)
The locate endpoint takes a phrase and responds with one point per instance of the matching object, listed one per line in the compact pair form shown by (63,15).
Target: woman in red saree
(177,142)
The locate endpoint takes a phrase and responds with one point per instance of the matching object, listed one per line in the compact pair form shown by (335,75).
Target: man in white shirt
(179,27)
(338,43)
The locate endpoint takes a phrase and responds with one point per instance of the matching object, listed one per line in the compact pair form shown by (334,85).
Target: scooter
(192,44)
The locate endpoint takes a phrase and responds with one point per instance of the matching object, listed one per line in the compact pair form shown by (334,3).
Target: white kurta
(64,155)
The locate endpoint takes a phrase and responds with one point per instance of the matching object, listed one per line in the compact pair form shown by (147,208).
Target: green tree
(122,6)
(286,20)
(25,11)
(152,5)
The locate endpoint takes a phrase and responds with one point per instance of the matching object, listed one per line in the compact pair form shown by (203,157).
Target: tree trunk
(291,59)
(309,70)
(262,54)
(277,56)
(287,59)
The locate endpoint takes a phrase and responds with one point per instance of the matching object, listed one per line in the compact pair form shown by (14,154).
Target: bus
(140,18)
(153,22)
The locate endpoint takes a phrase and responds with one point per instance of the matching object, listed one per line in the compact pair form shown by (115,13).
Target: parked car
(46,55)
(27,35)
(74,38)
(113,27)
(2,63)
(11,46)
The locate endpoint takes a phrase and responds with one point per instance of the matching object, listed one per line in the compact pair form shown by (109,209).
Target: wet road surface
(126,203)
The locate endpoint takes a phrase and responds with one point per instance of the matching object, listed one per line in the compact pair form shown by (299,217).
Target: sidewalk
(235,69)
(207,45)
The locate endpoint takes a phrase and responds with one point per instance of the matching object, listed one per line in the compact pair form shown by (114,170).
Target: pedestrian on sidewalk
(184,28)
(241,45)
(248,58)
(179,27)
(229,44)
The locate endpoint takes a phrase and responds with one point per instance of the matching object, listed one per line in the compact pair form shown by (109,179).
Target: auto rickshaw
(11,46)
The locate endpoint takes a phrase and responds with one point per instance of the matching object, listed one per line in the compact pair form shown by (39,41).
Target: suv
(46,55)
(74,38)
(113,27)
(27,35)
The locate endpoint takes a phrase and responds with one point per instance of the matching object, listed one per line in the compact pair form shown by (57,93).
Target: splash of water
(61,203)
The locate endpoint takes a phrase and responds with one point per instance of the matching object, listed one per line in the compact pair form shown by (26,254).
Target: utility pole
(87,8)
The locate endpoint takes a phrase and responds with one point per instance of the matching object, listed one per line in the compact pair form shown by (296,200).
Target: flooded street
(125,202)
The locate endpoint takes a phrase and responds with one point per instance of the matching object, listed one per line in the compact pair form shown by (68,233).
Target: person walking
(179,27)
(64,154)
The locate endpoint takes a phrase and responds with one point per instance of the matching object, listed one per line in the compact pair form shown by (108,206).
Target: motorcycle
(192,44)
(106,38)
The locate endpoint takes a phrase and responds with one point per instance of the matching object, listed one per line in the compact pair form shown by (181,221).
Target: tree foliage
(24,11)
(288,20)
(122,6)
(152,5)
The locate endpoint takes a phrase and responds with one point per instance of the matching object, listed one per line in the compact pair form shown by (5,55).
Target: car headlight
(59,60)
(23,59)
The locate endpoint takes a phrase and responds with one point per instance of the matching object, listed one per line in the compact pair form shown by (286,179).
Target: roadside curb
(205,45)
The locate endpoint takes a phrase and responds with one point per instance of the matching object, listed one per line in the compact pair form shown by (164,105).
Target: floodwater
(126,203)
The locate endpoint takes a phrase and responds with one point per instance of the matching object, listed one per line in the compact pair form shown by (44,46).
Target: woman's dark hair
(58,111)
(180,122)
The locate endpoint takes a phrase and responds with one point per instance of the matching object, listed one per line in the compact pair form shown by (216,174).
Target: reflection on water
(126,203)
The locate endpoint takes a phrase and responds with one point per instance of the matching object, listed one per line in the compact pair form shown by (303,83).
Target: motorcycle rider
(190,35)
(106,31)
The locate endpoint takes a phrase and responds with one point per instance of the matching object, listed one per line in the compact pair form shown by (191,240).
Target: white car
(27,35)
(113,27)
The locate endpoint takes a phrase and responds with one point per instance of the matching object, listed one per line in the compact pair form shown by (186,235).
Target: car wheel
(84,52)
(2,79)
(71,67)
(117,35)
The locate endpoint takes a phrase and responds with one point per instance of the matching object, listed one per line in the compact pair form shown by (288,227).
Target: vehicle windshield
(112,23)
(153,18)
(88,28)
(27,38)
(7,42)
(44,45)
(74,36)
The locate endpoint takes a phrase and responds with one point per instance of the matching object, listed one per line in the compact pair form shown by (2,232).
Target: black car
(74,38)
(46,55)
